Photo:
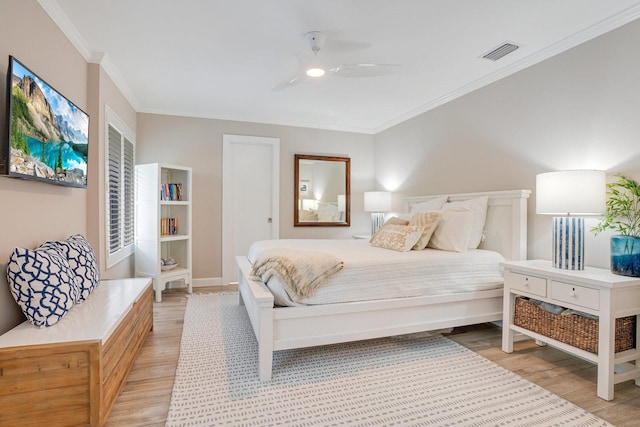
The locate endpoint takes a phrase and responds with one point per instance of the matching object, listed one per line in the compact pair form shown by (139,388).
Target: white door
(250,196)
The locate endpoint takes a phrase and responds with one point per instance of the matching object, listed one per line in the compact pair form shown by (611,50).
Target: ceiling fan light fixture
(316,68)
(315,72)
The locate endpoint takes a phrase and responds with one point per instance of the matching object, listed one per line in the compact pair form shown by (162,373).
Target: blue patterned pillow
(43,285)
(82,261)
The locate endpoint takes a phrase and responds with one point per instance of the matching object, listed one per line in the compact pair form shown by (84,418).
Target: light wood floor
(145,398)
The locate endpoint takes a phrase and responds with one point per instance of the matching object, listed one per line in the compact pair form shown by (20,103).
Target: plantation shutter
(115,180)
(129,202)
(121,190)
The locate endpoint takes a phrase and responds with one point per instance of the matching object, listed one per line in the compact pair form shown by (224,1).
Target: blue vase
(625,255)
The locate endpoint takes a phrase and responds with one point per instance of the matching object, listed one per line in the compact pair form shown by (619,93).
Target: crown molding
(112,71)
(259,120)
(62,21)
(55,12)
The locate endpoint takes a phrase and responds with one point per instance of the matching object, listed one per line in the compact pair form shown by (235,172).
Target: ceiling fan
(317,68)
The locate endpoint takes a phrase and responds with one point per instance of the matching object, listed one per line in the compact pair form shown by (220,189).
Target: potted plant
(623,216)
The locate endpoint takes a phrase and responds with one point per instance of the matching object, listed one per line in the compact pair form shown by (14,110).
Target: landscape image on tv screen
(48,133)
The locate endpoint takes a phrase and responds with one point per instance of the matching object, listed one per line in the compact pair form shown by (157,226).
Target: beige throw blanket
(302,272)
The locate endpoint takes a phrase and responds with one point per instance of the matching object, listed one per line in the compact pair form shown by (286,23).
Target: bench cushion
(94,319)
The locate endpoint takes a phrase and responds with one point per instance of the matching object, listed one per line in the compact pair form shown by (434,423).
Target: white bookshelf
(151,243)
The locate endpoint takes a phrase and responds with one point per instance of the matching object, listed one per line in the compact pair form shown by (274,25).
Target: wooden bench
(72,372)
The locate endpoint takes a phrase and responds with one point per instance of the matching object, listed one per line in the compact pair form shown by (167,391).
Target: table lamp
(569,196)
(377,202)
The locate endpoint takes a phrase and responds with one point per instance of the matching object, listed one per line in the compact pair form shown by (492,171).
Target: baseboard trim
(201,283)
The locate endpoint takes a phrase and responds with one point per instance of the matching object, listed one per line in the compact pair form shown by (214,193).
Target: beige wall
(197,143)
(577,110)
(34,212)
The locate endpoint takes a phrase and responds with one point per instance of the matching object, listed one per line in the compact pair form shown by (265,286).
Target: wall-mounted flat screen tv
(48,134)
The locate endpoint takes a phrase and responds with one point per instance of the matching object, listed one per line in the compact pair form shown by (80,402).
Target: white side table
(362,236)
(592,290)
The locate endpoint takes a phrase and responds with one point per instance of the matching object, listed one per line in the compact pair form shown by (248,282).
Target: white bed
(373,273)
(279,328)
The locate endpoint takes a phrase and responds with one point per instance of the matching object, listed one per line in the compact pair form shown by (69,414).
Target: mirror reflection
(321,195)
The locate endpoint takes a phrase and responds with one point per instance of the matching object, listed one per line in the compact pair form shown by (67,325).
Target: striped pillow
(428,220)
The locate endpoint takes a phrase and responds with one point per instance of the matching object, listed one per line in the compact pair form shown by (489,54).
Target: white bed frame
(281,328)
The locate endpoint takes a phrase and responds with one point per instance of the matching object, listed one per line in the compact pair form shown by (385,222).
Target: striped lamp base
(568,243)
(377,221)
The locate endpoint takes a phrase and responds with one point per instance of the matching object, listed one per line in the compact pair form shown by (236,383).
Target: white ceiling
(222,58)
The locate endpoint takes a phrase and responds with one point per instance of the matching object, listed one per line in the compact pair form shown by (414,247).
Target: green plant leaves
(623,208)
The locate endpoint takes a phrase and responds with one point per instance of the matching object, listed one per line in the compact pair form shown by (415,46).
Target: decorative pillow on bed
(397,237)
(453,231)
(82,260)
(479,208)
(42,283)
(404,216)
(429,206)
(394,220)
(427,220)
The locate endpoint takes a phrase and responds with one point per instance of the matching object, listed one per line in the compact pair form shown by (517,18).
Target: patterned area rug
(418,379)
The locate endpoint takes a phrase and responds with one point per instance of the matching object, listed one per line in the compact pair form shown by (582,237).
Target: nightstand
(362,236)
(594,291)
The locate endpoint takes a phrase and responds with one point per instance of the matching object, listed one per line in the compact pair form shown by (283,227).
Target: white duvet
(372,273)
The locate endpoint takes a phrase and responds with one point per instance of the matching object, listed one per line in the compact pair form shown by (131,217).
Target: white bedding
(372,273)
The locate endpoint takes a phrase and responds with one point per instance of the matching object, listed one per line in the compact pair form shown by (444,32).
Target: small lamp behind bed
(378,203)
(570,195)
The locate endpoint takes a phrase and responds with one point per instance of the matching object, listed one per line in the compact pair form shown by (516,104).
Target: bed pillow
(404,216)
(429,206)
(43,284)
(453,231)
(397,237)
(394,220)
(479,208)
(82,260)
(427,220)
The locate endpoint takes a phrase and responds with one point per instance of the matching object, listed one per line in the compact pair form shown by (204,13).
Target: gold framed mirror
(322,193)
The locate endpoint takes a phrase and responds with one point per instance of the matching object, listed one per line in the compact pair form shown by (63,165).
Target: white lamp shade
(377,201)
(576,192)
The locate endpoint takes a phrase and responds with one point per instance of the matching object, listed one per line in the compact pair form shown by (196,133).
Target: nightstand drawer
(574,294)
(526,283)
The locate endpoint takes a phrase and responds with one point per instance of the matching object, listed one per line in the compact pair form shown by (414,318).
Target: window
(120,169)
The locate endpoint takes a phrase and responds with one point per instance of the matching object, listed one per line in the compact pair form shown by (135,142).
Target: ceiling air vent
(501,51)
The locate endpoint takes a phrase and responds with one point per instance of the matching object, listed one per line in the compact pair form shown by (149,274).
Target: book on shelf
(171,191)
(168,226)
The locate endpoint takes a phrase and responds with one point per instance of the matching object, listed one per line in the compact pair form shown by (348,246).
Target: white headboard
(506,224)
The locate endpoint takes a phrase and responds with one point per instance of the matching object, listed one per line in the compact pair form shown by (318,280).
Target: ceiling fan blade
(316,68)
(364,70)
(288,83)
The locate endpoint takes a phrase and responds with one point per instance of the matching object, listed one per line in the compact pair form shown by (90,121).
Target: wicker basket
(573,329)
